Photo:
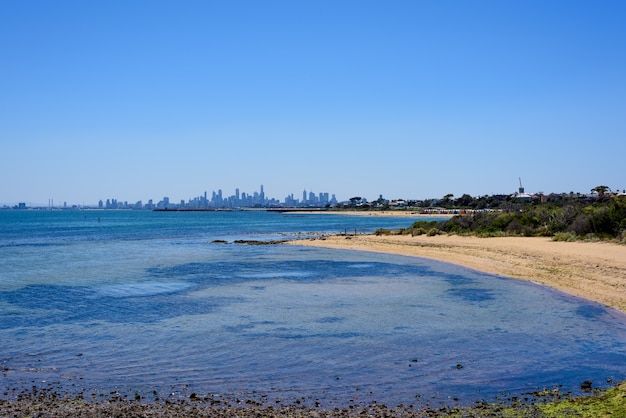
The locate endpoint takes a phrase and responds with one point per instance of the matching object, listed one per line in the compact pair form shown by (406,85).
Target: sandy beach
(591,270)
(398,213)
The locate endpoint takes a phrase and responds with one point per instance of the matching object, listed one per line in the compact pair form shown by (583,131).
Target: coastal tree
(601,190)
(465,201)
(446,200)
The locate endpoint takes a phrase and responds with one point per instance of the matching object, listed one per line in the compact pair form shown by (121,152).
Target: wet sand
(591,270)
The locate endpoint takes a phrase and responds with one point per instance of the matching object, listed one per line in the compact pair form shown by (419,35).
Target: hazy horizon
(408,99)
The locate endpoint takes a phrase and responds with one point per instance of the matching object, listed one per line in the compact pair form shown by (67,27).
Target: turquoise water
(96,302)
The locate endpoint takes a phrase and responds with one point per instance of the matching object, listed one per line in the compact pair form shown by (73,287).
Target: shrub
(428,224)
(432,232)
(565,236)
(603,219)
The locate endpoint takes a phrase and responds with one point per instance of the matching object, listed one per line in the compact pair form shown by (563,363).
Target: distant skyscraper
(262,195)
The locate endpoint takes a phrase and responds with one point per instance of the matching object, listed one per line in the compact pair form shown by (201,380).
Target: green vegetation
(609,403)
(569,220)
(549,404)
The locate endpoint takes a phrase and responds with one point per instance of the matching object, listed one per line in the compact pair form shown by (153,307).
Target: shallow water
(143,302)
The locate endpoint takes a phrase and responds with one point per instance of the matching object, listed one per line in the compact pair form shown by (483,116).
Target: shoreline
(594,271)
(378,213)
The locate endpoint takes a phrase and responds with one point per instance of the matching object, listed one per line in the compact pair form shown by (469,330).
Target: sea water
(156,304)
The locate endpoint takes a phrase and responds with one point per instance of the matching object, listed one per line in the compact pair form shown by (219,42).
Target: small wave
(140,289)
(361,266)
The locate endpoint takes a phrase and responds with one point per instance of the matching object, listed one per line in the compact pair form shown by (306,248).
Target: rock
(257,242)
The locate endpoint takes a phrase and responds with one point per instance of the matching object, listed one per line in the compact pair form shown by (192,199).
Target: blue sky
(137,100)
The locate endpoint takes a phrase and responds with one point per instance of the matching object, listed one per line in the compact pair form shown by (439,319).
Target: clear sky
(137,100)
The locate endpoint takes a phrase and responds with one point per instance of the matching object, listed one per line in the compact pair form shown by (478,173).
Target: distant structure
(521,194)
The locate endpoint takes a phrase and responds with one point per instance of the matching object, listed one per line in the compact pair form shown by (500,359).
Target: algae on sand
(608,403)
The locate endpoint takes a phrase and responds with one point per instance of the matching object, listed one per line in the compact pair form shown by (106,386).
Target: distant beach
(592,270)
(388,213)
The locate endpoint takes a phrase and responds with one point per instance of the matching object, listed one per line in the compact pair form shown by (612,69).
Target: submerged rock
(258,242)
(586,385)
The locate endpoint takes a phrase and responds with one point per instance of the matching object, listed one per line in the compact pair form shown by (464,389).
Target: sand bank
(591,270)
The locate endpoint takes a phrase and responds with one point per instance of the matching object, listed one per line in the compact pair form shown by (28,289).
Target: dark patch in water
(29,244)
(67,304)
(590,311)
(471,294)
(454,279)
(312,270)
(329,320)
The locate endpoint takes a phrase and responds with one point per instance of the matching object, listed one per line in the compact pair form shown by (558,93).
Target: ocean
(165,306)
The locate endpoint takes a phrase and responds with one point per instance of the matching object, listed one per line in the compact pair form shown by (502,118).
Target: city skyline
(236,200)
(217,199)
